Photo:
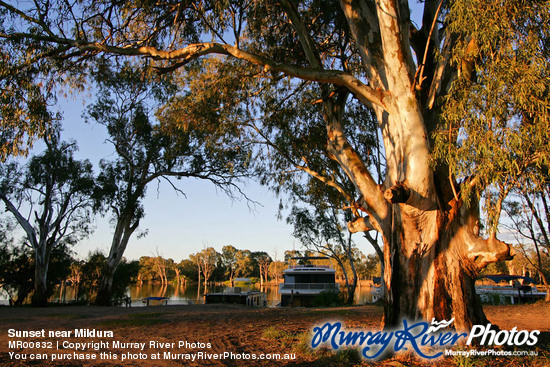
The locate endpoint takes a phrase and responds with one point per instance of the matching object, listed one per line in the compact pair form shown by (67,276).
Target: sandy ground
(227,328)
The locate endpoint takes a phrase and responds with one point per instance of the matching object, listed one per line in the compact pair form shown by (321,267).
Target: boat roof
(310,258)
(504,277)
(242,280)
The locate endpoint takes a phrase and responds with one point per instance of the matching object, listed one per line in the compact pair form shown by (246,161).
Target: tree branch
(186,54)
(398,193)
(361,224)
(24,223)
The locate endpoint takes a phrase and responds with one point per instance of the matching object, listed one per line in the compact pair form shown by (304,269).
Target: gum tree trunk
(40,295)
(123,231)
(432,251)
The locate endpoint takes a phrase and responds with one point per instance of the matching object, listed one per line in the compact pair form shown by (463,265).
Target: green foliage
(125,275)
(179,139)
(328,299)
(228,258)
(25,99)
(499,267)
(17,271)
(245,264)
(188,269)
(368,267)
(59,185)
(57,191)
(496,116)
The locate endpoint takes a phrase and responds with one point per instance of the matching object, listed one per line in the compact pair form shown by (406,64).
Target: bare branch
(24,223)
(361,224)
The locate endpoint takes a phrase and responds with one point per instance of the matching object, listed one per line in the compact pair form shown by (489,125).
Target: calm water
(185,294)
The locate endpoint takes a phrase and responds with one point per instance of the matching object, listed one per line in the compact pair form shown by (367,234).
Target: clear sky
(178,225)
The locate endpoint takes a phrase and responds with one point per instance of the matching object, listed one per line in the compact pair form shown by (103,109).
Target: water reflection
(185,294)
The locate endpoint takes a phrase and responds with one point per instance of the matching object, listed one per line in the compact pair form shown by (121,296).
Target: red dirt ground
(228,328)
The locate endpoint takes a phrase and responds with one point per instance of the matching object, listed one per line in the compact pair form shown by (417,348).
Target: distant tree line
(204,267)
(209,266)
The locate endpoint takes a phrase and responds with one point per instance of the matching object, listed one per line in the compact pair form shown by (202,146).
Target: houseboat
(238,295)
(516,289)
(305,279)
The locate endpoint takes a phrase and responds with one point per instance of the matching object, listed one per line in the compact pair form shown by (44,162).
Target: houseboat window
(313,278)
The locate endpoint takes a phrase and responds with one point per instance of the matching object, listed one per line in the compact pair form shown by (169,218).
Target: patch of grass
(463,361)
(284,337)
(303,344)
(271,333)
(299,343)
(138,319)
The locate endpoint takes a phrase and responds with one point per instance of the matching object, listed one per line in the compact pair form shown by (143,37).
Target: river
(191,293)
(184,294)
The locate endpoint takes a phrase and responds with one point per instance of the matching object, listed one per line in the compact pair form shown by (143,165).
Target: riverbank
(217,329)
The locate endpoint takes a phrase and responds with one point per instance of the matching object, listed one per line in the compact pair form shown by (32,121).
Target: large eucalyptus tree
(168,146)
(431,87)
(51,199)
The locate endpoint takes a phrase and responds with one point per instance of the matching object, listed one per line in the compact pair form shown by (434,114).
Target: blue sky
(179,225)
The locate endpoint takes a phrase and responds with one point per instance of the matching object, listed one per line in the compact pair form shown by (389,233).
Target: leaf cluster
(496,124)
(25,100)
(17,270)
(57,190)
(161,135)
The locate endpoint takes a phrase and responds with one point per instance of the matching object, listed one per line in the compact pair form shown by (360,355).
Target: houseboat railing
(309,266)
(310,286)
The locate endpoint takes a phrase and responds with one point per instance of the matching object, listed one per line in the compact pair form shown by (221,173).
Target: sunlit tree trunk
(432,251)
(123,231)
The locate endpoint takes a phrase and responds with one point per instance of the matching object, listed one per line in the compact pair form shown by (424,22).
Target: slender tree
(209,259)
(58,191)
(263,260)
(171,146)
(197,261)
(276,269)
(321,231)
(529,214)
(229,260)
(245,264)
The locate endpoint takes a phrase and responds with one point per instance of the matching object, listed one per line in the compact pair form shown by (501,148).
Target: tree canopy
(460,104)
(57,191)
